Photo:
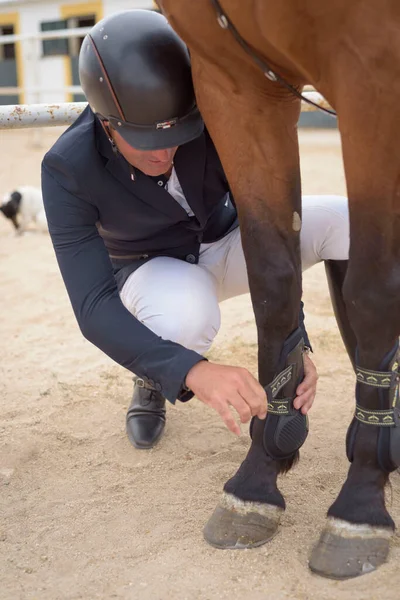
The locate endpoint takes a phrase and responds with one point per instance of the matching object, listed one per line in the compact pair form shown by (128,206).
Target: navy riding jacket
(104,225)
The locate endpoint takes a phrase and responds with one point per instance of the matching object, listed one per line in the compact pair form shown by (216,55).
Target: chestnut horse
(250,60)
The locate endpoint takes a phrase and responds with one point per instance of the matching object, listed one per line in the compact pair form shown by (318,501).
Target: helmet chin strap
(114,147)
(107,131)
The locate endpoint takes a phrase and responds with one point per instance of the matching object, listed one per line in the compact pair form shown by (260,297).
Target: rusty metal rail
(21,116)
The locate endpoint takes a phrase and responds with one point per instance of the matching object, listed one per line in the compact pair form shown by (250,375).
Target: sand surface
(83,514)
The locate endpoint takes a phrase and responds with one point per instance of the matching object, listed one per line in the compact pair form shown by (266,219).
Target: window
(75,43)
(54,47)
(66,46)
(7,51)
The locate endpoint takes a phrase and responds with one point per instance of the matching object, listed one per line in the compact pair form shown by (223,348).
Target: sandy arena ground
(83,514)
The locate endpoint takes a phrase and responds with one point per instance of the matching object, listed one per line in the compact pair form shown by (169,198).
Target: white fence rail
(73,89)
(22,116)
(57,34)
(318,99)
(25,116)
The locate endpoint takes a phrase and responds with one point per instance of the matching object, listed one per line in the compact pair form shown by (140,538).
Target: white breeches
(179,301)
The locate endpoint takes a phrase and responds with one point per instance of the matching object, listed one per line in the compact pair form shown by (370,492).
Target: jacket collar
(189,163)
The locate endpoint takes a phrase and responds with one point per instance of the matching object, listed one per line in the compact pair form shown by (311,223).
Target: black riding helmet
(135,73)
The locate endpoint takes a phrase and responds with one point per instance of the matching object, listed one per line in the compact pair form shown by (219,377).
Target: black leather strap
(271,74)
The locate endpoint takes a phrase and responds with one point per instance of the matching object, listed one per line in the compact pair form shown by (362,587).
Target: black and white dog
(24,206)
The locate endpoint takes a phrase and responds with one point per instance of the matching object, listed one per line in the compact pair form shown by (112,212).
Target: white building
(42,69)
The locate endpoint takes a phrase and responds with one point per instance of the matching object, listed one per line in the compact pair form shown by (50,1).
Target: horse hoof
(236,524)
(346,550)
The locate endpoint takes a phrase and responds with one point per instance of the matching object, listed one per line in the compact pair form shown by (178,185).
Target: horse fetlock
(353,508)
(238,524)
(347,550)
(256,481)
(387,447)
(362,499)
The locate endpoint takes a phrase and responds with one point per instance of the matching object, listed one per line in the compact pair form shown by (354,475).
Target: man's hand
(308,387)
(221,386)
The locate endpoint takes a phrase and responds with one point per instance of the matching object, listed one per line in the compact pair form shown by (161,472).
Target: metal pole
(37,133)
(317,98)
(22,116)
(65,113)
(45,35)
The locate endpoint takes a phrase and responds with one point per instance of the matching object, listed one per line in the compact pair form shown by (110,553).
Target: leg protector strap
(286,428)
(386,381)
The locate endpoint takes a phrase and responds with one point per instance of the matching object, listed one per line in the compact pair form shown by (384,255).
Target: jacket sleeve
(88,276)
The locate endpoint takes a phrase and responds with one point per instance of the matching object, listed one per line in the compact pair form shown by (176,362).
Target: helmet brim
(159,136)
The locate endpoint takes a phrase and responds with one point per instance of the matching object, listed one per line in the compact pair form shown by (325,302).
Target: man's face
(150,162)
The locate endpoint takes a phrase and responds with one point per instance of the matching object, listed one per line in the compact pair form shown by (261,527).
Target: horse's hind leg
(356,538)
(336,271)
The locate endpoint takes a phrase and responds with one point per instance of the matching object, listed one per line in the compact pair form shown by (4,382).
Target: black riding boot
(335,272)
(145,419)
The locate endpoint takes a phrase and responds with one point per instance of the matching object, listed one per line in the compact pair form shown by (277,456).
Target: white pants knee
(176,300)
(180,301)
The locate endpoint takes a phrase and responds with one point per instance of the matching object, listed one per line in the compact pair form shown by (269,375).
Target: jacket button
(190,258)
(158,387)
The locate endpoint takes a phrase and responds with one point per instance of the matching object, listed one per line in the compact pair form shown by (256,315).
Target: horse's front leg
(256,137)
(356,537)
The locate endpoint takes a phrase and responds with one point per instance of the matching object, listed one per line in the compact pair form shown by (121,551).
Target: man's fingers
(255,397)
(302,401)
(306,407)
(262,413)
(305,400)
(308,384)
(241,407)
(303,388)
(255,388)
(221,386)
(228,419)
